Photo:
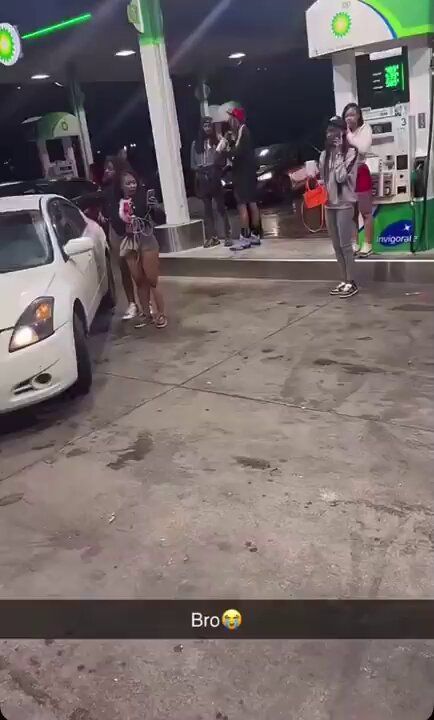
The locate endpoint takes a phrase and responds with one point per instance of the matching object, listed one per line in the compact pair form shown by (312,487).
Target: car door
(68,223)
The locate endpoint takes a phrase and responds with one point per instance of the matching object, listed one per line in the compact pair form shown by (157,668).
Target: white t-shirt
(361,139)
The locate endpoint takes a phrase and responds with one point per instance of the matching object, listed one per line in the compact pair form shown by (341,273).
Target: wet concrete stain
(414,308)
(11,499)
(25,682)
(43,447)
(75,452)
(80,714)
(350,368)
(134,453)
(253,463)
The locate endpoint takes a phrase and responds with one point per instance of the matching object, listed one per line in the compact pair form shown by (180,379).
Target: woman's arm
(344,166)
(242,146)
(193,157)
(361,141)
(322,166)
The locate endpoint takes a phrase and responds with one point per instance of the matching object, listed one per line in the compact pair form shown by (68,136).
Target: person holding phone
(140,247)
(238,147)
(207,164)
(113,167)
(359,136)
(338,168)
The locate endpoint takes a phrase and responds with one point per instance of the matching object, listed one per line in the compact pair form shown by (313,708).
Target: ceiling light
(125,53)
(237,56)
(40,76)
(58,84)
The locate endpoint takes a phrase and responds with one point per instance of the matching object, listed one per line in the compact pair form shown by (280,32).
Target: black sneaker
(337,289)
(349,290)
(211,242)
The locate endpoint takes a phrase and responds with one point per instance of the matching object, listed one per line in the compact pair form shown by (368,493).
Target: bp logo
(10,44)
(341,24)
(397,234)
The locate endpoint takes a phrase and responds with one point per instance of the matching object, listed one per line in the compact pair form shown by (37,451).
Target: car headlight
(224,183)
(34,325)
(266,176)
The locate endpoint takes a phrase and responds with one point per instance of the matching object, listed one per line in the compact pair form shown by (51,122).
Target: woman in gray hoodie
(338,167)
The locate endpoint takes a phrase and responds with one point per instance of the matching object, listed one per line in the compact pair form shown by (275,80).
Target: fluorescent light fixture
(125,53)
(264,152)
(64,25)
(58,84)
(40,76)
(237,56)
(266,176)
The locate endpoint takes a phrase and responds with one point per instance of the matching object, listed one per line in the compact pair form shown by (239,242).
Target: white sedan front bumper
(38,372)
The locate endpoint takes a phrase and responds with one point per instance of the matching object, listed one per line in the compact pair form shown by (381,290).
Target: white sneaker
(131,312)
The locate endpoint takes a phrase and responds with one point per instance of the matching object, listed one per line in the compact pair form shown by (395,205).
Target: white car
(55,272)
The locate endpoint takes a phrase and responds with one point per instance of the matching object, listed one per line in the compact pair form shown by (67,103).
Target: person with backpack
(338,168)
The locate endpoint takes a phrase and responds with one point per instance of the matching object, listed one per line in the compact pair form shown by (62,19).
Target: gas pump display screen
(383,83)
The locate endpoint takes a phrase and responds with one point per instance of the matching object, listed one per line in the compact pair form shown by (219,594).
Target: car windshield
(24,241)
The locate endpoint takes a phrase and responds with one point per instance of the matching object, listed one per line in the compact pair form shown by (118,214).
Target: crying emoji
(232,619)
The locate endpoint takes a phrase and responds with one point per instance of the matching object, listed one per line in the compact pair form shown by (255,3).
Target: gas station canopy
(199,35)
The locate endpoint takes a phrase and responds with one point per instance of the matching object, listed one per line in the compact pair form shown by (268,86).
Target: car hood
(19,289)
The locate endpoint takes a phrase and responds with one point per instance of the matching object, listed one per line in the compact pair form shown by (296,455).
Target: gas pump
(59,129)
(382,57)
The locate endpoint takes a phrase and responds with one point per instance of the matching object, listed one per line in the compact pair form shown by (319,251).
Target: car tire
(84,364)
(109,299)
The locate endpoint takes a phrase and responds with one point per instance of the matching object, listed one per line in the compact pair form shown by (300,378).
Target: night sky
(288,97)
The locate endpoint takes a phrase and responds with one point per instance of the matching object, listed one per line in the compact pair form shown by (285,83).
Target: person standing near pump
(338,168)
(113,168)
(207,165)
(359,136)
(239,148)
(140,248)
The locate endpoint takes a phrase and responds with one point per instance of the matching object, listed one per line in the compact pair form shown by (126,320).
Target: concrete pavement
(269,414)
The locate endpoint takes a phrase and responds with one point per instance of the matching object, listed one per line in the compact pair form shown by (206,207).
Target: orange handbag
(315,196)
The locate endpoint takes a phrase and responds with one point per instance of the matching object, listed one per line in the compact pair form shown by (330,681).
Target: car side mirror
(78,246)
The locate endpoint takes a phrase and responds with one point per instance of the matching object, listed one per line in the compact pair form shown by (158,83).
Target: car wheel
(109,299)
(84,364)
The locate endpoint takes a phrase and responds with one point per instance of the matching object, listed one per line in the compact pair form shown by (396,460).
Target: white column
(85,142)
(165,130)
(419,62)
(68,149)
(344,79)
(44,157)
(77,101)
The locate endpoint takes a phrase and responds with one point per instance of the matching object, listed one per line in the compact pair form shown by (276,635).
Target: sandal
(161,322)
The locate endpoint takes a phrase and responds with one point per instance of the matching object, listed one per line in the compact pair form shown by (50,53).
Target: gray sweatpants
(340,225)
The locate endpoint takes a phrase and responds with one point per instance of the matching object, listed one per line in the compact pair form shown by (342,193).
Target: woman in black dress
(242,154)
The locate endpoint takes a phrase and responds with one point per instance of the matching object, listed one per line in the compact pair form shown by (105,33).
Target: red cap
(238,113)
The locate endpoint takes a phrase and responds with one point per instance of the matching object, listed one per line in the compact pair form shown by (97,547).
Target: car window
(24,241)
(68,222)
